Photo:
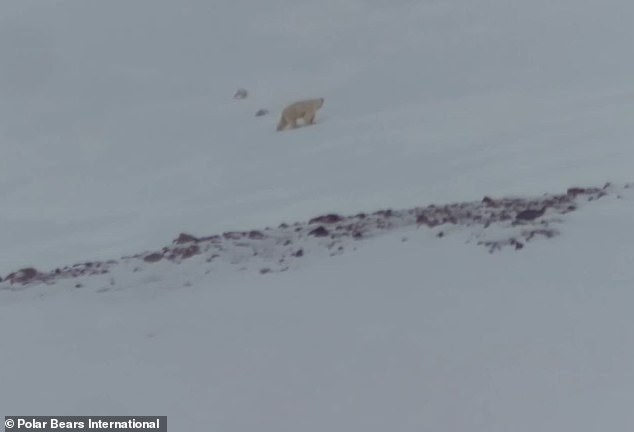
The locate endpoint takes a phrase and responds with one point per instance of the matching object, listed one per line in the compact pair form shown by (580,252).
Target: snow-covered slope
(427,334)
(118,131)
(118,128)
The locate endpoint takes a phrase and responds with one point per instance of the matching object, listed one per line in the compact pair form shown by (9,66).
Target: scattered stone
(185,238)
(261,112)
(386,213)
(320,231)
(326,219)
(153,257)
(177,254)
(548,233)
(524,217)
(232,235)
(212,257)
(23,276)
(241,93)
(255,235)
(488,201)
(574,191)
(422,219)
(528,215)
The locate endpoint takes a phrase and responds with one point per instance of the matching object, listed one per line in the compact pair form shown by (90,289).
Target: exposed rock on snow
(517,222)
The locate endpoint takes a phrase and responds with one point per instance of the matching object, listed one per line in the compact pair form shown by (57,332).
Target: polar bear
(304,109)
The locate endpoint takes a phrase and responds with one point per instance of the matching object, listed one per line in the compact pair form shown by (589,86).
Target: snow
(118,130)
(423,334)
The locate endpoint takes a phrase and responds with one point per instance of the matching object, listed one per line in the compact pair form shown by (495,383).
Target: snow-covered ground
(427,334)
(118,131)
(118,128)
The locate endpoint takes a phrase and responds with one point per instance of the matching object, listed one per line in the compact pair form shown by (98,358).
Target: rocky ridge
(521,220)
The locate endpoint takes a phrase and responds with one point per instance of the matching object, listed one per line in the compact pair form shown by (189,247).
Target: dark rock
(232,235)
(548,233)
(489,202)
(450,219)
(528,215)
(23,276)
(574,191)
(422,219)
(185,253)
(241,93)
(185,238)
(385,213)
(212,257)
(326,219)
(153,257)
(256,235)
(320,231)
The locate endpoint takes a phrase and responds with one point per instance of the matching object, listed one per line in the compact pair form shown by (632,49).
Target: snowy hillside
(427,334)
(119,130)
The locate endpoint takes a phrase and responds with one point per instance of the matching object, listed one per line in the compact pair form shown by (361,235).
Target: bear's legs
(309,118)
(282,124)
